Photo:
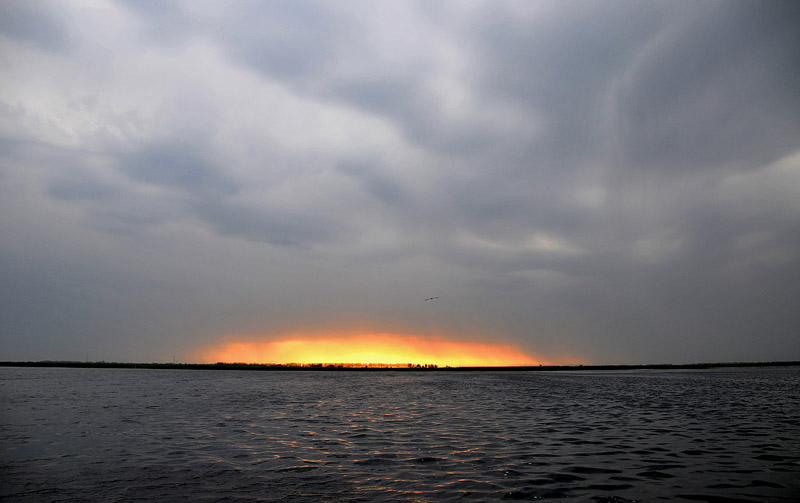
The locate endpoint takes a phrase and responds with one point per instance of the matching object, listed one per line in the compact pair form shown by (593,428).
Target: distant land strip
(386,367)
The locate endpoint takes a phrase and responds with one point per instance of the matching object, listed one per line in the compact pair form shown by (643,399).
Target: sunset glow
(369,348)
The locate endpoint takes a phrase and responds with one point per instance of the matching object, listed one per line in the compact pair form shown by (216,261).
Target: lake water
(194,435)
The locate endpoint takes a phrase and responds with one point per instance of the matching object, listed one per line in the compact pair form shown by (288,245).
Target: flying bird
(431,298)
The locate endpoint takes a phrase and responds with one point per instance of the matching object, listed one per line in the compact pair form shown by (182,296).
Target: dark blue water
(175,435)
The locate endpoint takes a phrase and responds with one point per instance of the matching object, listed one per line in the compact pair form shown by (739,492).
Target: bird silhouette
(431,298)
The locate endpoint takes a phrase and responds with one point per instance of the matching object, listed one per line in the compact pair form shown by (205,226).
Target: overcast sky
(613,181)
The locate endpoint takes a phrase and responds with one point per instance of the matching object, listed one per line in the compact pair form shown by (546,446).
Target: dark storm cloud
(180,166)
(290,40)
(618,178)
(278,227)
(562,64)
(197,189)
(37,22)
(167,22)
(682,78)
(720,87)
(108,203)
(286,39)
(379,185)
(77,190)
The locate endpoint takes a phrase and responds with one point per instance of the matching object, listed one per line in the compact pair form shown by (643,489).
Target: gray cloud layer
(615,181)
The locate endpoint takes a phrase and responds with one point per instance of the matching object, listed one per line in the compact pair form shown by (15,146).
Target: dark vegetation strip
(319,367)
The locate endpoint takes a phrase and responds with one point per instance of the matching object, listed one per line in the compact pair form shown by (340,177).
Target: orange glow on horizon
(368,348)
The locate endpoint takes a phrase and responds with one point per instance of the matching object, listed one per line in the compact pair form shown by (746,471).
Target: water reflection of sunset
(369,348)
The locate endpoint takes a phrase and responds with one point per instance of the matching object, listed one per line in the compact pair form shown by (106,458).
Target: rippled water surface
(196,435)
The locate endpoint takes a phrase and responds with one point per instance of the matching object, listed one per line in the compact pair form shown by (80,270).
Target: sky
(598,181)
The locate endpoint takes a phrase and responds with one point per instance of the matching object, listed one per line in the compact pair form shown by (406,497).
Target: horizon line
(390,366)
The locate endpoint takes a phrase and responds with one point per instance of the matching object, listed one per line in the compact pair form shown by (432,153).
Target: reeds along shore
(387,367)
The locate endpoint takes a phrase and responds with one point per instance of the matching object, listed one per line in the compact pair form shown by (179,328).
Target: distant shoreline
(335,368)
